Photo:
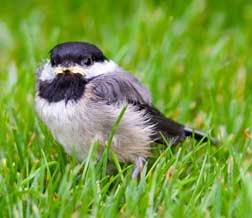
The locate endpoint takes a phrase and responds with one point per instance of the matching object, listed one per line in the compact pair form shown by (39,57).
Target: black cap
(81,53)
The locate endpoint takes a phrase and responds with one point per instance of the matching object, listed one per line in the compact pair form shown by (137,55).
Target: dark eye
(53,62)
(87,61)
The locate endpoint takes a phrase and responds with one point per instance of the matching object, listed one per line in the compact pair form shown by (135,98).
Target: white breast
(77,124)
(66,125)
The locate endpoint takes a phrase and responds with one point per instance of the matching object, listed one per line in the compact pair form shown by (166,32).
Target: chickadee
(79,96)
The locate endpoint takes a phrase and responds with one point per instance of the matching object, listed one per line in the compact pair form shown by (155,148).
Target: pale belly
(77,125)
(67,125)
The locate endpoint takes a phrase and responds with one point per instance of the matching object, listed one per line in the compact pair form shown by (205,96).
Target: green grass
(195,57)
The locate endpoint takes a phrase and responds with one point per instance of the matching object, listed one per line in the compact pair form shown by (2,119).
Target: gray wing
(119,87)
(116,88)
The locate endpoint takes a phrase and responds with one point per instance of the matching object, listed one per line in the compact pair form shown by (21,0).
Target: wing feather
(122,88)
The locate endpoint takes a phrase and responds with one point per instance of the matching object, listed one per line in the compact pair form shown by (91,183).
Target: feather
(121,88)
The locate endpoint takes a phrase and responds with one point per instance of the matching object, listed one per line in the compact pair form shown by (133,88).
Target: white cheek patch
(100,68)
(47,72)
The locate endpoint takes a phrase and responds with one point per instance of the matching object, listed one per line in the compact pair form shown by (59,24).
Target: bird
(79,95)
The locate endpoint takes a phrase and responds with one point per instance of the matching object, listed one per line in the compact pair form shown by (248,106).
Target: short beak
(74,69)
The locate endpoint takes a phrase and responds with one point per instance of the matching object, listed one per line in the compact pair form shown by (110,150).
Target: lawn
(194,56)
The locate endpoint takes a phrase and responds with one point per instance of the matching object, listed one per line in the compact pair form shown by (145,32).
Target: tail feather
(199,135)
(167,129)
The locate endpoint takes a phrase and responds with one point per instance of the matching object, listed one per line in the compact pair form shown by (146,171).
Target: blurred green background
(194,56)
